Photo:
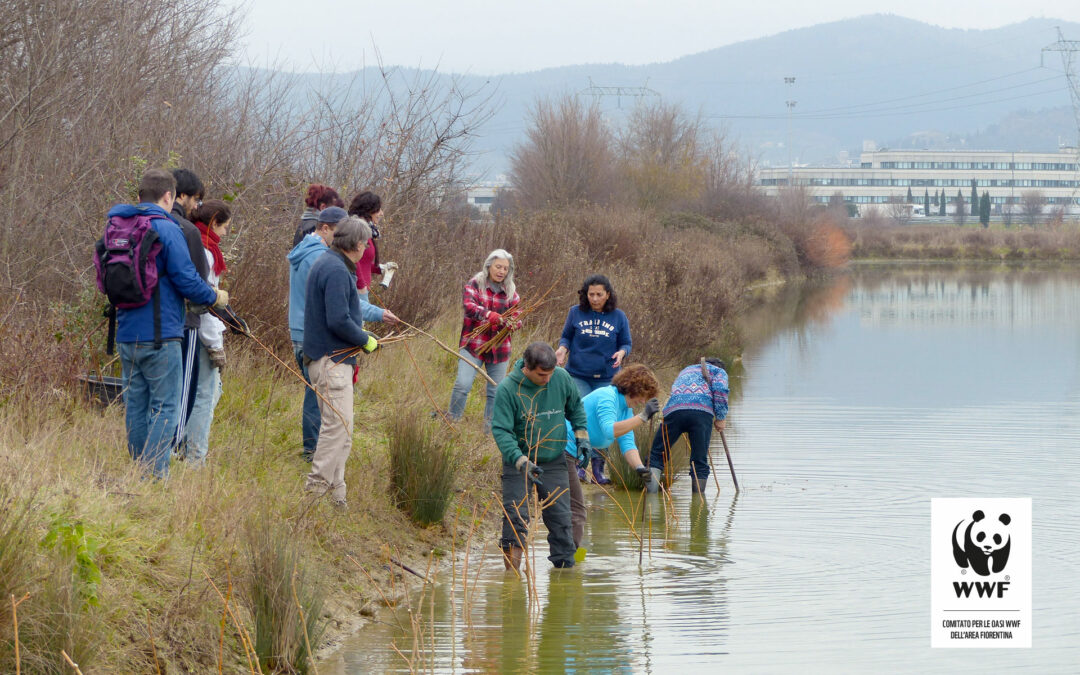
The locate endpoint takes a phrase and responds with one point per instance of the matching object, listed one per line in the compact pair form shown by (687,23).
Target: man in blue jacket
(152,373)
(301,258)
(332,334)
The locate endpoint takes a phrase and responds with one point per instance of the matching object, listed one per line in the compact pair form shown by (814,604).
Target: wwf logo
(982,543)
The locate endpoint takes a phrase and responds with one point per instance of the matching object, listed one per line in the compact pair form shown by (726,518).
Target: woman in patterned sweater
(697,405)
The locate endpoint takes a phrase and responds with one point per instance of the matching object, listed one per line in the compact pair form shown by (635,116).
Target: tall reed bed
(625,477)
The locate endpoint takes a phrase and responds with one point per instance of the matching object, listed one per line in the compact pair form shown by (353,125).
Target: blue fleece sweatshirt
(332,309)
(603,408)
(592,337)
(301,258)
(177,279)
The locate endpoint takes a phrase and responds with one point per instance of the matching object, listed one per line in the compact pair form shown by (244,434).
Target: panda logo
(982,543)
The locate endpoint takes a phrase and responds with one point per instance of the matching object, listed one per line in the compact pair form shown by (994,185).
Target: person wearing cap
(332,338)
(301,258)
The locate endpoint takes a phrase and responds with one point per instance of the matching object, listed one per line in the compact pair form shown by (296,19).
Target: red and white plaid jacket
(478,302)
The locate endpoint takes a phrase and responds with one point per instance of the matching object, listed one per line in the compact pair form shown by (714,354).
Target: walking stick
(730,465)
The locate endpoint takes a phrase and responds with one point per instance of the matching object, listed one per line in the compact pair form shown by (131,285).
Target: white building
(885,176)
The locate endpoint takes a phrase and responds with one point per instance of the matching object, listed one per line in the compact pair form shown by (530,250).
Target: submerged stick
(730,465)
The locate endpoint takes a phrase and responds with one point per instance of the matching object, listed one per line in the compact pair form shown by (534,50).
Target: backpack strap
(157,317)
(110,343)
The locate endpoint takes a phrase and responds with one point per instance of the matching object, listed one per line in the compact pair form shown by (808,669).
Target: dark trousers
(577,502)
(697,426)
(189,355)
(556,516)
(310,418)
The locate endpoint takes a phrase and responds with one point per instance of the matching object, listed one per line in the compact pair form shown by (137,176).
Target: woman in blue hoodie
(595,340)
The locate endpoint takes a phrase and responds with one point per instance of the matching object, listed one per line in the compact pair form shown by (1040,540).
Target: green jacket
(530,420)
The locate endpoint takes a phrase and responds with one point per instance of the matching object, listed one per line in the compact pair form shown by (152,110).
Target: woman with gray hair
(332,331)
(489,300)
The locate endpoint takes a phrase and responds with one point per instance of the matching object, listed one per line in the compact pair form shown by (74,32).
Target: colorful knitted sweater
(691,392)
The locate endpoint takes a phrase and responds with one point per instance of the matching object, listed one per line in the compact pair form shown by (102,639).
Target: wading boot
(698,486)
(598,471)
(657,475)
(512,557)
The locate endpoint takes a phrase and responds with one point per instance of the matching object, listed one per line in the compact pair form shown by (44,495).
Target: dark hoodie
(530,420)
(197,252)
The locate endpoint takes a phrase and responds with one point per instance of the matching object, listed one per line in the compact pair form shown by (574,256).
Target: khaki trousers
(334,383)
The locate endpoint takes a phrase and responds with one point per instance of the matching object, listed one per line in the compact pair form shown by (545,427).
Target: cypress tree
(974,199)
(910,199)
(926,202)
(984,209)
(941,203)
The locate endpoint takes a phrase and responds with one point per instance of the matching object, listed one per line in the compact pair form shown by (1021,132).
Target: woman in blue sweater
(595,340)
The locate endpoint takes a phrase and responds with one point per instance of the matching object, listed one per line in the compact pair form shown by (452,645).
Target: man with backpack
(189,194)
(146,270)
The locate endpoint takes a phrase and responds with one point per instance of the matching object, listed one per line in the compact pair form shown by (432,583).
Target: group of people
(551,408)
(167,247)
(331,265)
(547,412)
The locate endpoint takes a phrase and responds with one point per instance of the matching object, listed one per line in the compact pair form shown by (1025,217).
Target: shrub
(275,574)
(423,467)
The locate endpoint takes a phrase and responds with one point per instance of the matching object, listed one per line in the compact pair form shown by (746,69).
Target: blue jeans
(310,419)
(463,385)
(152,383)
(207,394)
(589,385)
(697,426)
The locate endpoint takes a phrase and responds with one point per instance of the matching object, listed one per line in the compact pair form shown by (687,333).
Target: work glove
(584,450)
(644,474)
(494,318)
(525,466)
(217,358)
(371,345)
(222,298)
(652,406)
(387,266)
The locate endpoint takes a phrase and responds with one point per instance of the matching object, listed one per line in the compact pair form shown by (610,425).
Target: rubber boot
(598,471)
(699,485)
(512,557)
(654,486)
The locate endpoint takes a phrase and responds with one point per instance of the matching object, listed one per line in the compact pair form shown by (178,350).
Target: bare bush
(663,158)
(566,157)
(1031,206)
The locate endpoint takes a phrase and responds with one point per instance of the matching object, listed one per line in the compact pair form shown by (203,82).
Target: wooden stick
(440,343)
(70,662)
(428,391)
(303,623)
(712,465)
(730,465)
(15,622)
(153,647)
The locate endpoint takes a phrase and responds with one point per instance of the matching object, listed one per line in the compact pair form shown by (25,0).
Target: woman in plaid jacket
(489,300)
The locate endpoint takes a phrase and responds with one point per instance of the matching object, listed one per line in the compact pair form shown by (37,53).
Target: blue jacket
(177,279)
(301,258)
(592,337)
(603,408)
(332,309)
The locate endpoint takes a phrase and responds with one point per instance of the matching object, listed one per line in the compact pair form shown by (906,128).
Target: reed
(423,467)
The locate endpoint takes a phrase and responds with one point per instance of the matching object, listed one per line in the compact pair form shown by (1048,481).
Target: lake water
(858,400)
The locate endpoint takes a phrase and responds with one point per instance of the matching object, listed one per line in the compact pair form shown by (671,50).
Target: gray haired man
(332,327)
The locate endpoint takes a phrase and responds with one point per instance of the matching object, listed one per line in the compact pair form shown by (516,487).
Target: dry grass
(948,242)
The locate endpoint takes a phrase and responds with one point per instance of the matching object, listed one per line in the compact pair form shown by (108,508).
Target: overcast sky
(486,37)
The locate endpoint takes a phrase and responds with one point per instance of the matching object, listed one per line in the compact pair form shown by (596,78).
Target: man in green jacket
(532,406)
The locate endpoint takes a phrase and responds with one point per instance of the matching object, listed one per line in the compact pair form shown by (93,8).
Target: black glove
(652,406)
(527,467)
(585,451)
(644,474)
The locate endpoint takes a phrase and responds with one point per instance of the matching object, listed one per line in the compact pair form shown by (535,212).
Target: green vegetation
(423,465)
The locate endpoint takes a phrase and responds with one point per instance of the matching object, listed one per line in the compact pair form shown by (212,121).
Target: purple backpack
(126,263)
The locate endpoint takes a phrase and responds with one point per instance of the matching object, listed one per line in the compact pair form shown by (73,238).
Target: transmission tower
(598,92)
(1068,49)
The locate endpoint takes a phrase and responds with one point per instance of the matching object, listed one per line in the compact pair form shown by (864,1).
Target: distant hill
(878,77)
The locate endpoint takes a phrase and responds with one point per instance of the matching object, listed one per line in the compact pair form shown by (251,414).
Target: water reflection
(863,398)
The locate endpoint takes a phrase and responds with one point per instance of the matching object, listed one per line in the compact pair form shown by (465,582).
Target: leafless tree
(566,157)
(1031,206)
(664,158)
(899,211)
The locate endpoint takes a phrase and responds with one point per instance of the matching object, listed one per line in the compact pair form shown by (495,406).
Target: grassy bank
(972,242)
